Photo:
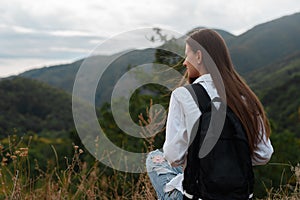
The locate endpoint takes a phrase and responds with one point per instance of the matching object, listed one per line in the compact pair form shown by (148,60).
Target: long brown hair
(239,97)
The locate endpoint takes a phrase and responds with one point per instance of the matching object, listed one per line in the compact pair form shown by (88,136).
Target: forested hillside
(266,43)
(31,106)
(277,85)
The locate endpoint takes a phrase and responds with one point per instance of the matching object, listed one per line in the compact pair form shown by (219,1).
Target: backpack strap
(199,95)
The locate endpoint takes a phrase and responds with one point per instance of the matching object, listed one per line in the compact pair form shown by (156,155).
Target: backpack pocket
(220,169)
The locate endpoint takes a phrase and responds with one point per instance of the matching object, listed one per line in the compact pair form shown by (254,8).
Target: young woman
(165,168)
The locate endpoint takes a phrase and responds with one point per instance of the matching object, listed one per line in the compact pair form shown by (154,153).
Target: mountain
(226,35)
(63,76)
(258,47)
(275,74)
(267,56)
(59,76)
(266,43)
(277,85)
(29,105)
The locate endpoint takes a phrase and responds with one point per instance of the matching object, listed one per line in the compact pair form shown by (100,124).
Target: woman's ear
(199,56)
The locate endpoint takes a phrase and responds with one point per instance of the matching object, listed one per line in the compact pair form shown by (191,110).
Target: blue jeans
(160,173)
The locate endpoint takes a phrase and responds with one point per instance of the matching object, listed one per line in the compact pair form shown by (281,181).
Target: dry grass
(77,181)
(290,191)
(80,180)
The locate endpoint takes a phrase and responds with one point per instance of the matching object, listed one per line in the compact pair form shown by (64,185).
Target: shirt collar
(203,78)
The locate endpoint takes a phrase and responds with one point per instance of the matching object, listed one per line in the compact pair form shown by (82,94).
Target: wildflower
(80,151)
(76,147)
(13,157)
(23,152)
(4,161)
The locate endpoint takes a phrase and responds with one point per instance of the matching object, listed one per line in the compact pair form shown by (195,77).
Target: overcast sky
(36,33)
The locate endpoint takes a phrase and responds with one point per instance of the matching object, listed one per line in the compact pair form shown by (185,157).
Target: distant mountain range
(260,46)
(267,56)
(266,43)
(63,76)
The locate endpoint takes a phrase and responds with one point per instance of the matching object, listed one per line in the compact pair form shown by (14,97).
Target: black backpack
(225,172)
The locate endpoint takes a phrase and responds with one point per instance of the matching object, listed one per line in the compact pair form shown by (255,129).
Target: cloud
(22,43)
(9,67)
(238,16)
(62,30)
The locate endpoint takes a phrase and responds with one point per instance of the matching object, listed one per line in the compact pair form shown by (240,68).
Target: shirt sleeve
(176,142)
(262,154)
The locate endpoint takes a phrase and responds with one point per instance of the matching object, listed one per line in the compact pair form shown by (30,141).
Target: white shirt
(183,113)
